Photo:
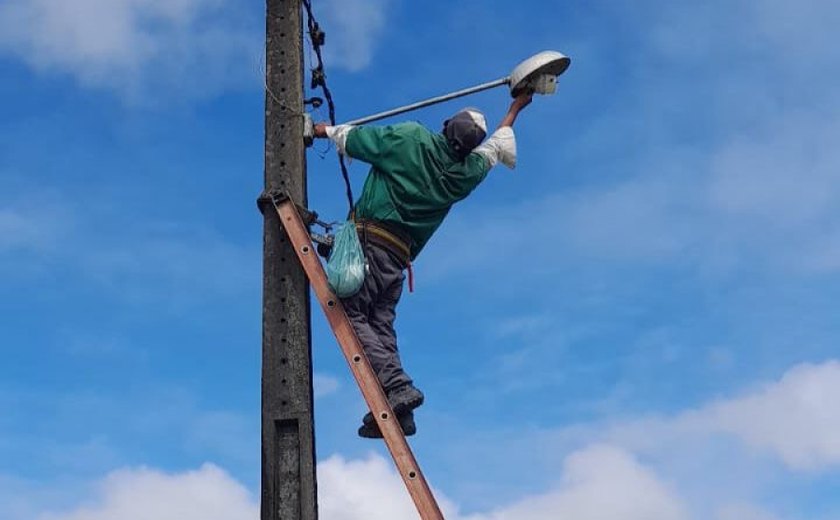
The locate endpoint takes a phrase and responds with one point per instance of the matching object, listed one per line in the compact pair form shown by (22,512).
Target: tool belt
(388,236)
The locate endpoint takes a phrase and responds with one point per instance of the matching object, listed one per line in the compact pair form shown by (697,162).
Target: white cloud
(21,230)
(366,489)
(798,35)
(22,499)
(521,326)
(137,260)
(599,483)
(795,418)
(229,436)
(180,265)
(369,489)
(763,201)
(723,456)
(353,28)
(762,189)
(192,48)
(730,166)
(665,468)
(786,174)
(639,221)
(324,385)
(140,494)
(744,512)
(136,47)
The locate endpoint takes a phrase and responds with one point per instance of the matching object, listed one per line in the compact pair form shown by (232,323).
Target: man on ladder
(416,176)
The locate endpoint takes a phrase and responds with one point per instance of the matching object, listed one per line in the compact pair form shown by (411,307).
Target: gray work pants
(372,312)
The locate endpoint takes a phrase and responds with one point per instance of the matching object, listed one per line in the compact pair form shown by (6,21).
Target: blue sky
(639,322)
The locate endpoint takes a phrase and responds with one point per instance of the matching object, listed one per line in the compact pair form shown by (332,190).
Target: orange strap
(410,278)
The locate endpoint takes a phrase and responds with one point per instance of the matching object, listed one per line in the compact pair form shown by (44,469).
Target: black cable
(319,79)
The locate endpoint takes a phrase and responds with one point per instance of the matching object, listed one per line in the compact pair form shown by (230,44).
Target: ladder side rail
(353,352)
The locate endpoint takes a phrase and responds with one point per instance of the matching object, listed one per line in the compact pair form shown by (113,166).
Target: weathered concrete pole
(288,438)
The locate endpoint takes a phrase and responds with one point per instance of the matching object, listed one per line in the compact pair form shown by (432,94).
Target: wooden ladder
(372,391)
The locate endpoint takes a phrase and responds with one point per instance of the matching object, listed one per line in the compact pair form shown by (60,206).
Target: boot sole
(400,409)
(371,430)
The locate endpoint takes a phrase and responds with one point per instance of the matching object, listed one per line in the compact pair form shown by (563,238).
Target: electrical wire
(319,79)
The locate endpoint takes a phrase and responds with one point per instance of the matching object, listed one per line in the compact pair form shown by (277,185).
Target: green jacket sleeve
(376,145)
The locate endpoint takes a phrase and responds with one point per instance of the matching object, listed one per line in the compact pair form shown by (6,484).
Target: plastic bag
(346,266)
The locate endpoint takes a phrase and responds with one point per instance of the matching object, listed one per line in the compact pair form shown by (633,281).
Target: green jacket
(414,178)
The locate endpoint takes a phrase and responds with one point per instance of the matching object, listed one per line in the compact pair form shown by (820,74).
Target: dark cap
(465,130)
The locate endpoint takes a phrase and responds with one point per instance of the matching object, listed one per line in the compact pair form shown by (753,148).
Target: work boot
(404,398)
(370,430)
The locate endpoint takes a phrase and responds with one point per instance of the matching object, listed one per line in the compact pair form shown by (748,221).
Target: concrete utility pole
(288,437)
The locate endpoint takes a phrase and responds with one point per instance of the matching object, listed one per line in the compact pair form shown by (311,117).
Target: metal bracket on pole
(274,197)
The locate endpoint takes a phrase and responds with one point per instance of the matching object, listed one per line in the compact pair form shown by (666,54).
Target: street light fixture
(537,74)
